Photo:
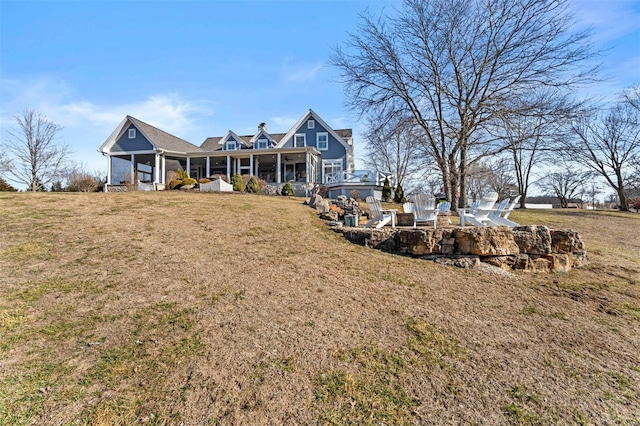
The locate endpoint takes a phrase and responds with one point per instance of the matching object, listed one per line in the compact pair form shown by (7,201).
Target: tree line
(469,96)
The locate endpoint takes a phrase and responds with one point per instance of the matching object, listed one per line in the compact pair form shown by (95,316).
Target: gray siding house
(310,153)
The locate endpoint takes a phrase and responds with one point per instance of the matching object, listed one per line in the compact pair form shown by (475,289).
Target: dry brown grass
(175,307)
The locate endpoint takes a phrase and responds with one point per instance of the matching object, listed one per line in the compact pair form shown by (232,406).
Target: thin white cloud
(283,122)
(609,19)
(168,111)
(296,74)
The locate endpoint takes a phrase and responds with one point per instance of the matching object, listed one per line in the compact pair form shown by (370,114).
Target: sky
(199,68)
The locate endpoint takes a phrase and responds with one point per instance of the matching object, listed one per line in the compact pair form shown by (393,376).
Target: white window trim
(326,135)
(337,166)
(264,142)
(132,133)
(311,124)
(304,140)
(227,146)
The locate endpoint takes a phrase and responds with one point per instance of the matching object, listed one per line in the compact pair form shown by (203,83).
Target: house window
(311,124)
(300,140)
(231,146)
(132,133)
(332,171)
(322,141)
(262,143)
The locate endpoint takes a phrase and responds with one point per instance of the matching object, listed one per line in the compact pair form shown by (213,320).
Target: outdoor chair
(408,207)
(380,215)
(425,211)
(502,220)
(444,207)
(480,215)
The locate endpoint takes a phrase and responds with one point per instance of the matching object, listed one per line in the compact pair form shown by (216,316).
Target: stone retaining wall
(529,248)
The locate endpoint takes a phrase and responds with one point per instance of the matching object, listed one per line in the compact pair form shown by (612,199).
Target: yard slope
(174,307)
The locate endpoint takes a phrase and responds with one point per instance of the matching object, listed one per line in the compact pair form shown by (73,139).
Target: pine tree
(386,190)
(399,195)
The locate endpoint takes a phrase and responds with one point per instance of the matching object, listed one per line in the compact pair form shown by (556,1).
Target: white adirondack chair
(380,215)
(408,207)
(425,211)
(483,211)
(502,219)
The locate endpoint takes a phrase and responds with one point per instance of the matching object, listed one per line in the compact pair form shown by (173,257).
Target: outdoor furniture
(380,215)
(481,213)
(443,209)
(425,211)
(502,219)
(408,207)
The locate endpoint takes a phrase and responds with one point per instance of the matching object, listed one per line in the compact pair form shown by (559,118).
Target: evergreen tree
(252,185)
(399,195)
(386,190)
(237,182)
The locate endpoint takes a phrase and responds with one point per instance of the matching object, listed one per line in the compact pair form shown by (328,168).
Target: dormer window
(232,146)
(300,140)
(311,124)
(132,133)
(262,144)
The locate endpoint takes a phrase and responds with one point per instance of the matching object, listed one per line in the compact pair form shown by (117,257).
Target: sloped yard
(236,309)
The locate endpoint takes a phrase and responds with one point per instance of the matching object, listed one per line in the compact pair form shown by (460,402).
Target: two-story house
(311,152)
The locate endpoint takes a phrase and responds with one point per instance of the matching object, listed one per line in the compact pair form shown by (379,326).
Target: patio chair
(485,207)
(425,211)
(502,220)
(380,215)
(444,207)
(408,207)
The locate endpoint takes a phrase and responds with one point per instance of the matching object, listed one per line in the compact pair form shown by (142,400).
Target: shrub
(83,184)
(386,190)
(262,184)
(4,186)
(204,180)
(399,195)
(175,183)
(238,183)
(252,185)
(287,190)
(182,174)
(172,175)
(189,181)
(355,194)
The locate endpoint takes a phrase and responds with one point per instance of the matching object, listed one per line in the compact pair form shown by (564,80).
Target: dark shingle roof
(162,139)
(213,143)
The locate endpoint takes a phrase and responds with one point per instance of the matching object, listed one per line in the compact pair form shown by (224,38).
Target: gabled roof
(315,116)
(261,131)
(158,138)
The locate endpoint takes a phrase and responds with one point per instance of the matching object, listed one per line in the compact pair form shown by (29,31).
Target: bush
(4,186)
(175,183)
(204,180)
(252,185)
(355,195)
(262,184)
(399,195)
(182,174)
(287,190)
(238,183)
(386,190)
(189,181)
(83,184)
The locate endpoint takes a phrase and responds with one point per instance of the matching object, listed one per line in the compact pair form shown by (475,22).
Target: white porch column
(164,170)
(229,168)
(257,163)
(188,166)
(133,168)
(207,173)
(306,167)
(156,170)
(109,166)
(250,164)
(279,169)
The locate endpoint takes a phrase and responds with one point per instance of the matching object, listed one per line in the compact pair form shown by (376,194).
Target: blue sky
(200,68)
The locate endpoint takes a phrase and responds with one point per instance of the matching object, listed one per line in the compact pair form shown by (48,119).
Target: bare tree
(391,144)
(455,66)
(565,182)
(490,175)
(79,179)
(608,142)
(531,136)
(31,154)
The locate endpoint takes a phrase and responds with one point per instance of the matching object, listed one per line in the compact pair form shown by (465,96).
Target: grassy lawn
(169,307)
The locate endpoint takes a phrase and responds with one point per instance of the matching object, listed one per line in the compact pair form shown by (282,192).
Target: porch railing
(359,176)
